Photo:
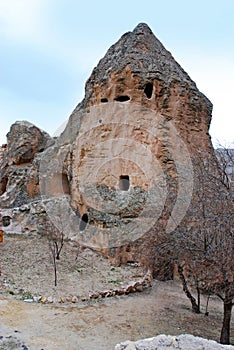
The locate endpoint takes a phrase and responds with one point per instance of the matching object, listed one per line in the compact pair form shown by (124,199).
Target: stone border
(131,287)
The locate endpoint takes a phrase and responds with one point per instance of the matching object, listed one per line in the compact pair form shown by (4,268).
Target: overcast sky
(48,49)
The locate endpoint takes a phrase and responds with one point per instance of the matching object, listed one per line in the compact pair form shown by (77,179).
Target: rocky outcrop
(19,177)
(23,141)
(180,342)
(2,151)
(24,144)
(129,152)
(124,169)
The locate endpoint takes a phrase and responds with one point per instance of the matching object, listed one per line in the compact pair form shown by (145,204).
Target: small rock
(50,300)
(28,300)
(43,300)
(24,347)
(37,299)
(139,288)
(93,295)
(75,300)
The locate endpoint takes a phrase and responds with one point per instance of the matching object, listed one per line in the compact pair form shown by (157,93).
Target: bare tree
(225,158)
(54,229)
(203,246)
(55,239)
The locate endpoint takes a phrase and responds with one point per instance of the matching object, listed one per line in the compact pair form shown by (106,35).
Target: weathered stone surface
(23,141)
(2,151)
(19,179)
(180,342)
(124,169)
(144,121)
(20,199)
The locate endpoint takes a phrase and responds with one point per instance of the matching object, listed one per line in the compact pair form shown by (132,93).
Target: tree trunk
(198,295)
(227,313)
(55,272)
(195,306)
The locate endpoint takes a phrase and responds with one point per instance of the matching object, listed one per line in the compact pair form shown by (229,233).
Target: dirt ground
(27,271)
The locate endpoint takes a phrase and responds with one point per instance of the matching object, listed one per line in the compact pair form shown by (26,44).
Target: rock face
(19,178)
(23,141)
(124,168)
(181,342)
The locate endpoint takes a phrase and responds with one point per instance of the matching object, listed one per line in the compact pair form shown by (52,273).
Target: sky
(48,49)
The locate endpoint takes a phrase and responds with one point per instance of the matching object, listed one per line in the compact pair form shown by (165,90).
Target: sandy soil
(27,270)
(90,325)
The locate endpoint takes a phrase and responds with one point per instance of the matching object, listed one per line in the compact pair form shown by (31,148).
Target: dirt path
(99,326)
(92,325)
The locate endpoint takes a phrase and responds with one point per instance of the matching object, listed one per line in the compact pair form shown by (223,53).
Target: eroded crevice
(3,185)
(65,184)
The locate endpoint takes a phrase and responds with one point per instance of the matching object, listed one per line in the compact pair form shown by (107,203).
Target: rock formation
(180,342)
(124,168)
(19,176)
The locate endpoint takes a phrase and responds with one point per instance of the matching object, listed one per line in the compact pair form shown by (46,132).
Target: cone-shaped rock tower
(125,168)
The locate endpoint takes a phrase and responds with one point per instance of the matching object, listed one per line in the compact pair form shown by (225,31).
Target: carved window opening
(84,222)
(124,182)
(104,100)
(148,90)
(123,98)
(6,221)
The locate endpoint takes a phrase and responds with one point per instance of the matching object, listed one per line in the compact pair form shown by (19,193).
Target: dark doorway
(124,182)
(83,222)
(148,90)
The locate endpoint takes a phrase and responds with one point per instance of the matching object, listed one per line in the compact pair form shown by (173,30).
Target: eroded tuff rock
(180,342)
(131,147)
(19,177)
(125,167)
(24,144)
(23,141)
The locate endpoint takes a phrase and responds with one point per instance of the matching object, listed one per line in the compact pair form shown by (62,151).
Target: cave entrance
(148,90)
(84,222)
(124,182)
